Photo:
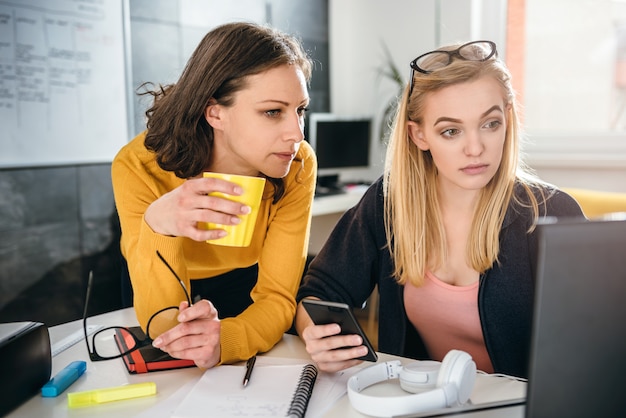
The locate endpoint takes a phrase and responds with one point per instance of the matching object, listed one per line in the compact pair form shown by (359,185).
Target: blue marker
(63,379)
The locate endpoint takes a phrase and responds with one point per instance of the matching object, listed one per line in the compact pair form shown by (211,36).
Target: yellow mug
(239,235)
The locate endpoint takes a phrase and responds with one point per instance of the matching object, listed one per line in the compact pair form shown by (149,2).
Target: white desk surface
(110,373)
(338,203)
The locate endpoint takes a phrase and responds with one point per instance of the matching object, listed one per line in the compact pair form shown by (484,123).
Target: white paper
(268,393)
(221,392)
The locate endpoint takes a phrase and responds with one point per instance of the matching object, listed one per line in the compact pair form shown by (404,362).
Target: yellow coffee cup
(239,235)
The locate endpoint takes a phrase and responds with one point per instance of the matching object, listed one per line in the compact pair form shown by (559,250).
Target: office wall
(59,222)
(56,224)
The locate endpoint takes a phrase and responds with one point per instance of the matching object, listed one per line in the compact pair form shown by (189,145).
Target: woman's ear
(416,133)
(212,114)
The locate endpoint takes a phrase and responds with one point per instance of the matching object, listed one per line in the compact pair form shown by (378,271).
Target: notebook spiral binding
(303,392)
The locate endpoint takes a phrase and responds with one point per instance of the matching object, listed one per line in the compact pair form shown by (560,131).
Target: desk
(113,373)
(338,203)
(326,211)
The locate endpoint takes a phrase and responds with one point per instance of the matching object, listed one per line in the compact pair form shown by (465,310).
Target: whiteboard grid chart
(63,91)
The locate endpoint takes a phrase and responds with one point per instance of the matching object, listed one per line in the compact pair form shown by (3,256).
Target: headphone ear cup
(419,376)
(457,377)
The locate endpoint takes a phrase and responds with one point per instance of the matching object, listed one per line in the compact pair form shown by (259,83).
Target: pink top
(446,317)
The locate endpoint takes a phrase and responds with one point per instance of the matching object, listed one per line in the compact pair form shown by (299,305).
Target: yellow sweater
(279,245)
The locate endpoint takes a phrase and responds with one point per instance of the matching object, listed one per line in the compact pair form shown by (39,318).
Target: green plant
(390,71)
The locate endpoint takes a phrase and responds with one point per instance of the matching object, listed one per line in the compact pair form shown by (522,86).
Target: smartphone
(323,312)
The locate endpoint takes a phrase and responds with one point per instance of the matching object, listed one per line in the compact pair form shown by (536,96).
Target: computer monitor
(341,143)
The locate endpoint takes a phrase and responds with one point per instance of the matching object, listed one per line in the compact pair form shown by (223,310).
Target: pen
(97,396)
(63,379)
(249,367)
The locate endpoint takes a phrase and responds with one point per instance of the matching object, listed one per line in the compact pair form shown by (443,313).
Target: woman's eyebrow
(277,101)
(304,101)
(454,120)
(491,109)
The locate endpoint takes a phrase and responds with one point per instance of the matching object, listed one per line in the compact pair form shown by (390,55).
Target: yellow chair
(595,203)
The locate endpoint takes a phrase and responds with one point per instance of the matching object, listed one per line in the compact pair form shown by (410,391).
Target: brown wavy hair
(177,131)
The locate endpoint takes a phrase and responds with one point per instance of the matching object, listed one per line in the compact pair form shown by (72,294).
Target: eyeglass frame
(451,54)
(139,343)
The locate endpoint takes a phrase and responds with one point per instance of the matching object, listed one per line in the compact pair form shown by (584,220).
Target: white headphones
(440,385)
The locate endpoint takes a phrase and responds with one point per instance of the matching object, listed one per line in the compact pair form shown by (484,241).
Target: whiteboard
(63,84)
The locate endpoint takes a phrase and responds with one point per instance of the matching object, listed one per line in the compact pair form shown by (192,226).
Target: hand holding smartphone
(323,312)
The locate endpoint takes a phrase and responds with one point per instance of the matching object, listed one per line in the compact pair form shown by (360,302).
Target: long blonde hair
(414,227)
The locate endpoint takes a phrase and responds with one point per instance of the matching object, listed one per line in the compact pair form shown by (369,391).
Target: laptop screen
(578,348)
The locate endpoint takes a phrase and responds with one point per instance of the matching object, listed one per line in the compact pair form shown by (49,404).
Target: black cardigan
(355,259)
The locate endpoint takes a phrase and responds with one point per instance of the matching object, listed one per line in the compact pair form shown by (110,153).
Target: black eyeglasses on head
(114,342)
(435,60)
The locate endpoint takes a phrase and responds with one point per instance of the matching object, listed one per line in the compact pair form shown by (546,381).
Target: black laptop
(578,348)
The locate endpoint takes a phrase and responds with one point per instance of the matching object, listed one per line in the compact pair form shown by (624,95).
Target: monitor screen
(340,142)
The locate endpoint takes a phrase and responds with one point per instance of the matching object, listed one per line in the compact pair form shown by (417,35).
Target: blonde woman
(447,232)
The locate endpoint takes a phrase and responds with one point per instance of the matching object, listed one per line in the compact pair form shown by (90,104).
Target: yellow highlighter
(98,396)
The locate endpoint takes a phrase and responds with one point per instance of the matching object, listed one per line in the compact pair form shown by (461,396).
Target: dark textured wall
(58,223)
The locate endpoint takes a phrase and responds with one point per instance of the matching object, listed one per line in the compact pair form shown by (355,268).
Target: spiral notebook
(273,391)
(303,392)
